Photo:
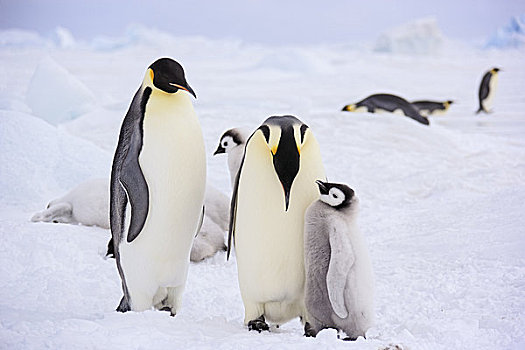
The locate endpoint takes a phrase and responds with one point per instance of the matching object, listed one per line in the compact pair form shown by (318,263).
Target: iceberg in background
(511,35)
(420,37)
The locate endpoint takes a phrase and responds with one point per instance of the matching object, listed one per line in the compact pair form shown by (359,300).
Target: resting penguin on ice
(339,281)
(86,204)
(232,143)
(487,89)
(274,186)
(157,184)
(386,103)
(428,108)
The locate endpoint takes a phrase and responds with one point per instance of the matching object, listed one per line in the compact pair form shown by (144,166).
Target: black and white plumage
(232,143)
(157,189)
(339,282)
(430,108)
(386,103)
(274,186)
(487,90)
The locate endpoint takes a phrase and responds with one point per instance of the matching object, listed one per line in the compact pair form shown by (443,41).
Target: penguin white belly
(269,241)
(173,162)
(489,101)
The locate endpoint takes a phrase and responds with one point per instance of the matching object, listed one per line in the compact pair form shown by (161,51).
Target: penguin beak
(323,189)
(219,150)
(185,88)
(348,108)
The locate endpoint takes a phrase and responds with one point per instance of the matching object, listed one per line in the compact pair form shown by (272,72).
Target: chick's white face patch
(334,197)
(227,143)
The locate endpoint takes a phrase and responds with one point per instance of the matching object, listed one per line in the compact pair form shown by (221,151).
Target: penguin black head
(495,70)
(229,140)
(168,75)
(285,136)
(336,195)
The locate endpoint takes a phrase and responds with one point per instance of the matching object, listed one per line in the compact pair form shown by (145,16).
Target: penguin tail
(480,110)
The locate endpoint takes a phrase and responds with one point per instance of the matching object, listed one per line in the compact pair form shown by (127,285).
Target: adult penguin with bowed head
(274,186)
(157,185)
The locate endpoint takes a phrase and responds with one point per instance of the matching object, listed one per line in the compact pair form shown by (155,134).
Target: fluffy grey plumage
(339,281)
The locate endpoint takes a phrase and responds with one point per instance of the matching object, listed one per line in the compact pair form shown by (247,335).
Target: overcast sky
(268,21)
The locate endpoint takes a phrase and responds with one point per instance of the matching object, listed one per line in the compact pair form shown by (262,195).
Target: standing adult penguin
(274,186)
(339,281)
(158,181)
(487,89)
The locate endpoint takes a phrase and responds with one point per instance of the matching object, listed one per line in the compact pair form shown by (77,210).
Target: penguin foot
(309,331)
(258,325)
(168,309)
(123,306)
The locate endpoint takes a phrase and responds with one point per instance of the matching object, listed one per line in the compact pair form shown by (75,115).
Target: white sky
(268,21)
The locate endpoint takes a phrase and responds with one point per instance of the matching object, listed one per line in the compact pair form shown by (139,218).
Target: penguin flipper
(341,260)
(136,187)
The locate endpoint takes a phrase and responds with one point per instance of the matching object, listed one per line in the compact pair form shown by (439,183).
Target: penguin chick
(86,204)
(386,103)
(339,281)
(487,90)
(427,108)
(208,241)
(232,143)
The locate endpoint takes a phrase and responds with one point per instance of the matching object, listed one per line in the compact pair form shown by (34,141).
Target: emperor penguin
(232,143)
(274,186)
(339,281)
(85,204)
(487,89)
(158,181)
(428,108)
(386,103)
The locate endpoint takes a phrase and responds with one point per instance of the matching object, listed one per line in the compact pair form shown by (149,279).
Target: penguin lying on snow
(339,281)
(232,143)
(427,108)
(386,103)
(88,204)
(274,186)
(157,186)
(487,89)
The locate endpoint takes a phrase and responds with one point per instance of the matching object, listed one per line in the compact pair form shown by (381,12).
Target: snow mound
(55,95)
(40,161)
(511,35)
(21,38)
(420,37)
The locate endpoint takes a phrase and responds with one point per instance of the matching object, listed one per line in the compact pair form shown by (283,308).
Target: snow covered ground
(442,207)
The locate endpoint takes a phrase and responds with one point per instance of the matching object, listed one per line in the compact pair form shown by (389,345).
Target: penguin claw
(258,325)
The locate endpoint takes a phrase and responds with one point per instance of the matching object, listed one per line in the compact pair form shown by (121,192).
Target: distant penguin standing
(232,143)
(274,186)
(428,108)
(487,89)
(339,281)
(158,181)
(386,103)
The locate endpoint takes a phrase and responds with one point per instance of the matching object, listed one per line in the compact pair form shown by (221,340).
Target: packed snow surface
(441,205)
